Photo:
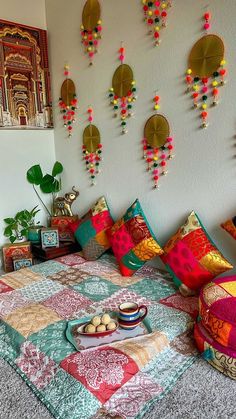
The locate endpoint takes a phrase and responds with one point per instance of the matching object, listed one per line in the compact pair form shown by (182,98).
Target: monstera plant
(48,183)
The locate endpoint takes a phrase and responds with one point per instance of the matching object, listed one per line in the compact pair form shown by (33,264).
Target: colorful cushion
(230,227)
(133,241)
(192,257)
(220,357)
(90,230)
(217,309)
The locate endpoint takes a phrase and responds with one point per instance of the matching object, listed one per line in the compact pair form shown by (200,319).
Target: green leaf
(7,231)
(24,232)
(34,175)
(24,224)
(49,184)
(57,169)
(12,239)
(9,220)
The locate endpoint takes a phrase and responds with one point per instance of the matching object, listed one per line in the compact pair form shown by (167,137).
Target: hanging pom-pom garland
(157,144)
(91,28)
(122,94)
(68,102)
(92,148)
(206,71)
(155,15)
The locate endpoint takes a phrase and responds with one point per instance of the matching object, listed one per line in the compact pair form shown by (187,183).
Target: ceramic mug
(129,315)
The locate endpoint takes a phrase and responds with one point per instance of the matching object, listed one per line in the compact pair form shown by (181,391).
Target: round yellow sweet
(101,328)
(105,319)
(96,320)
(111,326)
(90,328)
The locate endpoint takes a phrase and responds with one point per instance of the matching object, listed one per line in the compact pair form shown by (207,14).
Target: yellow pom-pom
(111,89)
(149,13)
(156,107)
(99,22)
(133,82)
(129,99)
(144,1)
(95,35)
(189,71)
(223,62)
(115,102)
(89,49)
(82,27)
(164,5)
(85,37)
(215,83)
(196,87)
(91,165)
(204,106)
(157,28)
(155,158)
(66,67)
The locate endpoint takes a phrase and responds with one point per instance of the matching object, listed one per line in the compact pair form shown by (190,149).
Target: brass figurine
(62,204)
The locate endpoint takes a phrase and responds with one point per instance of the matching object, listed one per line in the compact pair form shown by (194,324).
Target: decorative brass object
(122,80)
(206,55)
(91,138)
(62,204)
(156,131)
(91,14)
(68,91)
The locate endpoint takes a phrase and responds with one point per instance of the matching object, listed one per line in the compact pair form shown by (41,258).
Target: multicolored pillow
(90,230)
(192,257)
(230,227)
(133,241)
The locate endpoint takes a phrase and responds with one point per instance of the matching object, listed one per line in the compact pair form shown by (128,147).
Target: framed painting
(25,91)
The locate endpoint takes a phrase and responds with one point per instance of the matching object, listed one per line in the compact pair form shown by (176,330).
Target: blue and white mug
(129,315)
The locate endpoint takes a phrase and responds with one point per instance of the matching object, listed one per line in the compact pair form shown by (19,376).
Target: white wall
(202,175)
(20,149)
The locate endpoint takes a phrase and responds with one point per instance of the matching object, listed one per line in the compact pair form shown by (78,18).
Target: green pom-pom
(123,123)
(129,106)
(155,164)
(215,74)
(204,97)
(157,20)
(116,107)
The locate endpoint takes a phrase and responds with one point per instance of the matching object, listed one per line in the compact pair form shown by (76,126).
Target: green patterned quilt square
(154,290)
(10,341)
(69,398)
(96,288)
(52,341)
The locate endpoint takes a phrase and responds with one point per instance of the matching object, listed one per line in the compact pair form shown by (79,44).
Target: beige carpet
(201,393)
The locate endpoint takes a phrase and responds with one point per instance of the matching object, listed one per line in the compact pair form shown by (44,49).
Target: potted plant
(18,227)
(49,183)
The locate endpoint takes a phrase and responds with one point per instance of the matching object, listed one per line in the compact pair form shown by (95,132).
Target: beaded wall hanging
(122,94)
(91,28)
(92,148)
(155,15)
(68,102)
(206,72)
(157,144)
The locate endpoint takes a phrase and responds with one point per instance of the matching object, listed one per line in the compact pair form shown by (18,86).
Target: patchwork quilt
(121,380)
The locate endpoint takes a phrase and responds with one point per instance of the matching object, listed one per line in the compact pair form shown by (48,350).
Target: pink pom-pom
(163,156)
(207,26)
(91,54)
(204,89)
(169,139)
(95,42)
(121,57)
(90,119)
(99,28)
(155,171)
(66,73)
(157,3)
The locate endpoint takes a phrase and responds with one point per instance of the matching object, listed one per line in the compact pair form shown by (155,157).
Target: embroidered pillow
(133,241)
(230,227)
(192,257)
(90,230)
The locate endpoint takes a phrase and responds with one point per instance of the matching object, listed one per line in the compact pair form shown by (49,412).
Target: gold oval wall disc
(122,80)
(206,55)
(91,138)
(91,14)
(156,131)
(67,91)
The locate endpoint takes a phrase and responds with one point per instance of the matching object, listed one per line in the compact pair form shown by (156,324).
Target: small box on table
(49,237)
(63,225)
(15,250)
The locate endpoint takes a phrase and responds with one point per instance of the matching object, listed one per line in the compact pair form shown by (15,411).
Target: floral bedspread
(121,380)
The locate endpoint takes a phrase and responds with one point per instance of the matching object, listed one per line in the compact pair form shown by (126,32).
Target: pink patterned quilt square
(4,287)
(102,371)
(39,368)
(10,301)
(187,304)
(71,260)
(67,303)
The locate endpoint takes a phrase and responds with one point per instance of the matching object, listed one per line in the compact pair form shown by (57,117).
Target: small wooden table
(54,252)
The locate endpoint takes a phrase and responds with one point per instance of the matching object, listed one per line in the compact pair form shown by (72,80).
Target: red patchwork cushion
(192,258)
